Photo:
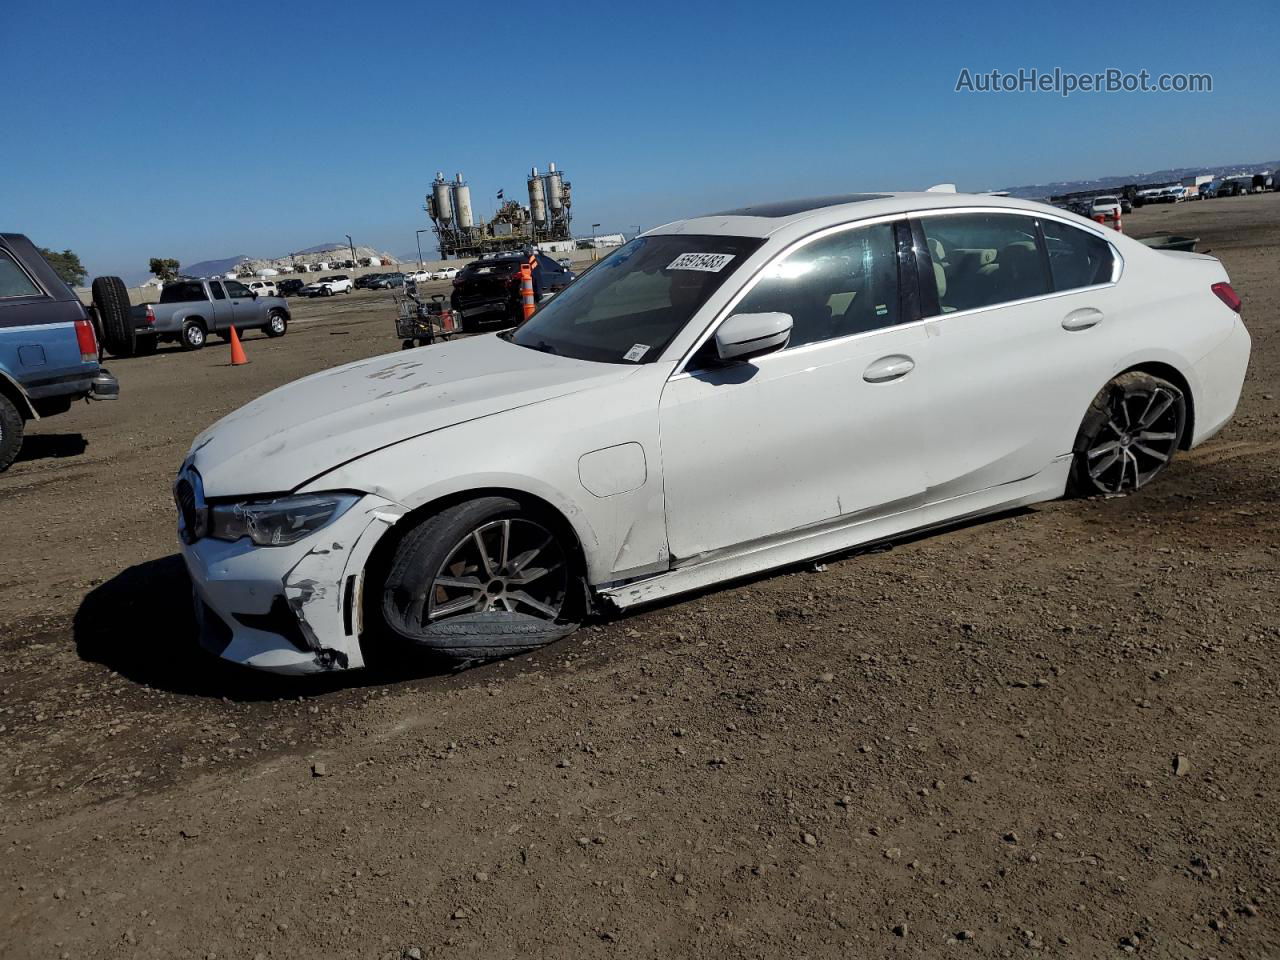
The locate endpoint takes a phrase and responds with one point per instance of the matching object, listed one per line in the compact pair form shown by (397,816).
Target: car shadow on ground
(51,446)
(141,625)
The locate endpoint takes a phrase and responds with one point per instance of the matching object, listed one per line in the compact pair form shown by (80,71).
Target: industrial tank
(462,203)
(442,198)
(555,189)
(537,199)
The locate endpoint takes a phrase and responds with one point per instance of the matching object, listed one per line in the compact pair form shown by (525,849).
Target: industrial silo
(462,203)
(555,189)
(442,199)
(537,199)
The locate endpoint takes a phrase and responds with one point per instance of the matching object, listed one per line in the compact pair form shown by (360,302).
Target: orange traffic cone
(237,351)
(527,304)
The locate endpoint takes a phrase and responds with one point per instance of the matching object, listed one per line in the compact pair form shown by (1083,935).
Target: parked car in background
(190,310)
(444,273)
(666,424)
(289,288)
(48,344)
(487,292)
(417,276)
(328,286)
(1107,206)
(263,288)
(1126,205)
(389,281)
(367,281)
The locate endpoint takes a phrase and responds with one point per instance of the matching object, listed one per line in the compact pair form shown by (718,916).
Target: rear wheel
(1129,435)
(193,335)
(115,315)
(11,427)
(483,579)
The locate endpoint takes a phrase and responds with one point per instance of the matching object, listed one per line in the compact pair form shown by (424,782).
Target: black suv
(289,288)
(487,291)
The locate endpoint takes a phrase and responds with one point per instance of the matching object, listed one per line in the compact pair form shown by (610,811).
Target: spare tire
(115,316)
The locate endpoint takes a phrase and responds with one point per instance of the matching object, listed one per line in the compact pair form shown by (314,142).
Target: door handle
(1081,319)
(889,368)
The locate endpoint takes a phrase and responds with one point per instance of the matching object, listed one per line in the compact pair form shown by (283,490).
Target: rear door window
(216,289)
(183,293)
(984,259)
(14,281)
(1076,258)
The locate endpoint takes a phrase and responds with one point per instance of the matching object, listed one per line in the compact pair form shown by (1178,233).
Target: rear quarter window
(14,281)
(182,293)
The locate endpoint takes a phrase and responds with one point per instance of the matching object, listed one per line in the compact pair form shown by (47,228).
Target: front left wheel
(1129,435)
(486,578)
(277,324)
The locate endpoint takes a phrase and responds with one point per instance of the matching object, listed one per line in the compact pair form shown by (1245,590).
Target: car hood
(306,428)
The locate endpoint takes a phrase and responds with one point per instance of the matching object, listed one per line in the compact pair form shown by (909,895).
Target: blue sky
(135,130)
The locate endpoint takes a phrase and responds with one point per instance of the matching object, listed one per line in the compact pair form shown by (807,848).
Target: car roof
(769,219)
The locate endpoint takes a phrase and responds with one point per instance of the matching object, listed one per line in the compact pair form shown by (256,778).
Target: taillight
(1227,295)
(151,316)
(457,281)
(87,341)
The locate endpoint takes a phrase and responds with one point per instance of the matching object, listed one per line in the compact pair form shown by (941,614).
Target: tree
(165,269)
(66,265)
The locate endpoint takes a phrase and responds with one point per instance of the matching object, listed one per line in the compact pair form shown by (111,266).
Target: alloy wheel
(513,565)
(1137,440)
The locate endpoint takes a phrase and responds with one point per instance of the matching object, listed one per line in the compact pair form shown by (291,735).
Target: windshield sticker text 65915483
(706,262)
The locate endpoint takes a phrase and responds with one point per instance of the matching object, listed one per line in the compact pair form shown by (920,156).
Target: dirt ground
(965,745)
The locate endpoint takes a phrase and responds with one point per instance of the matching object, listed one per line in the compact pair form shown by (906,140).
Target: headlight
(278,523)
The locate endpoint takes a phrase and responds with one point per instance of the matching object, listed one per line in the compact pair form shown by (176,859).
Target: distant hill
(1037,190)
(211,268)
(221,265)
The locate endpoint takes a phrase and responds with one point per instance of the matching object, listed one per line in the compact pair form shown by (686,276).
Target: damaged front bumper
(293,609)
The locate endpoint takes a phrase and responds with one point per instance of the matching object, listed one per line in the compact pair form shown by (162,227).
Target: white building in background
(604,240)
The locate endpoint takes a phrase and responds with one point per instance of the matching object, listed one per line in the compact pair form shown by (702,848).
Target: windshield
(481,267)
(630,305)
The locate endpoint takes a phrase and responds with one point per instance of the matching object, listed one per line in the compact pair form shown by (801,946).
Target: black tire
(1129,436)
(277,324)
(11,428)
(115,316)
(431,570)
(194,335)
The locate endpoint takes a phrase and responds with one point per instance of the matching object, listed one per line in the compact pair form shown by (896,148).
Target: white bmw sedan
(720,396)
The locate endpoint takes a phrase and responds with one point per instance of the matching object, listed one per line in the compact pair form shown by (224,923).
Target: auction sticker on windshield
(636,352)
(706,262)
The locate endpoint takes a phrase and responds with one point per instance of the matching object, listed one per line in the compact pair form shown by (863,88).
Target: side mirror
(254,294)
(747,335)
